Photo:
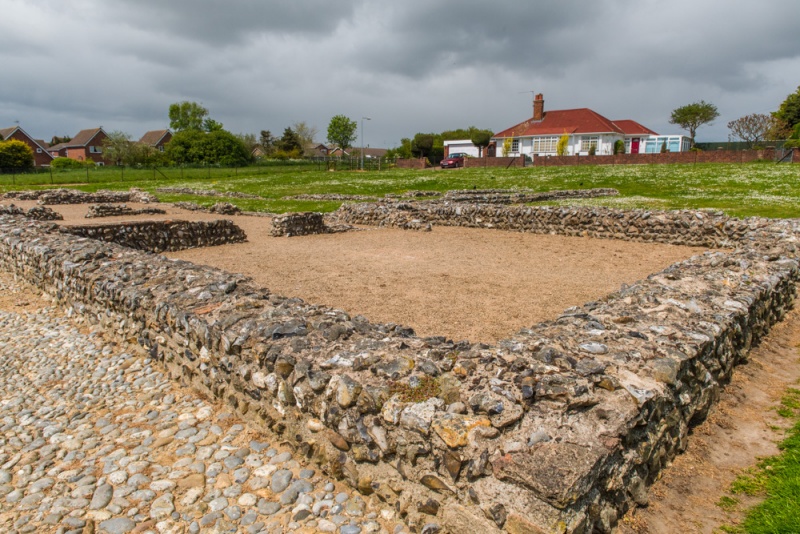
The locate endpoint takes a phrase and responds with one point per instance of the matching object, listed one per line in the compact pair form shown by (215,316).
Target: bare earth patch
(463,283)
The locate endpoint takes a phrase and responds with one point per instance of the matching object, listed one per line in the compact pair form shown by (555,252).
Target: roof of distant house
(83,137)
(153,137)
(558,122)
(630,127)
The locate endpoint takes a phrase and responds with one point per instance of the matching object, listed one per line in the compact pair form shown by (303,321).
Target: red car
(454,160)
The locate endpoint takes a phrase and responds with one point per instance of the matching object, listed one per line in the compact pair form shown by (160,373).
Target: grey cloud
(211,21)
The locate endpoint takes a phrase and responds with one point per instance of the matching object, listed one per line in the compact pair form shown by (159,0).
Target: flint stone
(418,416)
(454,428)
(558,473)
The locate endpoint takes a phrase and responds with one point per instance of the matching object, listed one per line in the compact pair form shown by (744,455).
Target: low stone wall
(687,227)
(74,196)
(113,210)
(163,236)
(560,428)
(221,208)
(204,192)
(510,196)
(305,223)
(711,156)
(39,213)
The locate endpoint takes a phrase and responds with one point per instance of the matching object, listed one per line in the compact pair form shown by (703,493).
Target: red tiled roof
(153,137)
(5,132)
(630,127)
(558,122)
(83,137)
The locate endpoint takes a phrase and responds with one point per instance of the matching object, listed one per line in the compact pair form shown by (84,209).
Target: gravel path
(96,438)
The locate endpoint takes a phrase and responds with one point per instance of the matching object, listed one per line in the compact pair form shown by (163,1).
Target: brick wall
(716,156)
(408,163)
(518,161)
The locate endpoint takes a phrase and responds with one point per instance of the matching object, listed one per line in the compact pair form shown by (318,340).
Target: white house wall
(464,146)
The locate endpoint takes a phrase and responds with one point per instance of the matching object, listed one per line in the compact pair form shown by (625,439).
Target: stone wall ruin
(560,428)
(162,236)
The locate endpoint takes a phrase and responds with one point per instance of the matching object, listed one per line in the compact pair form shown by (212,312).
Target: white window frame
(545,145)
(587,141)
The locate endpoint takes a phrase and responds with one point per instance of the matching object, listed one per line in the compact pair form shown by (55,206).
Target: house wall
(83,153)
(461,145)
(41,158)
(164,140)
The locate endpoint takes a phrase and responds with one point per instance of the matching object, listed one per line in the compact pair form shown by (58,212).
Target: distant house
(370,153)
(41,155)
(586,129)
(156,139)
(86,145)
(464,146)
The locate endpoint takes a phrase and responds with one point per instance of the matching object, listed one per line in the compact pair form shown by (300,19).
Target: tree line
(753,129)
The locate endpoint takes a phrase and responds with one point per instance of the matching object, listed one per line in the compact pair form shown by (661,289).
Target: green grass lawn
(741,190)
(776,480)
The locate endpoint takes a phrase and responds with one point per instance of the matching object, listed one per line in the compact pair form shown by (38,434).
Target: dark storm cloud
(228,22)
(423,37)
(413,66)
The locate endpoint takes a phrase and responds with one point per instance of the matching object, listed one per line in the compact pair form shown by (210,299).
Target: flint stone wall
(163,236)
(305,223)
(560,428)
(686,227)
(113,210)
(74,196)
(509,196)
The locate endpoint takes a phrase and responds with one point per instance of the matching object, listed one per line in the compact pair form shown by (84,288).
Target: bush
(69,163)
(593,150)
(15,154)
(619,147)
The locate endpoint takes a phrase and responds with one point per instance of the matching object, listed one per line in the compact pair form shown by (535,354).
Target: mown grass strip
(764,188)
(777,479)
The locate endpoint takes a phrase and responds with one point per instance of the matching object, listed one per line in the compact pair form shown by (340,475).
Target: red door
(635,145)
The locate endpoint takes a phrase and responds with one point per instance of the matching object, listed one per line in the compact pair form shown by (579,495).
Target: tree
(404,150)
(752,129)
(56,140)
(305,133)
(561,146)
(290,142)
(210,125)
(118,147)
(267,142)
(789,112)
(481,139)
(342,131)
(248,140)
(692,116)
(187,116)
(15,154)
(219,147)
(507,144)
(422,145)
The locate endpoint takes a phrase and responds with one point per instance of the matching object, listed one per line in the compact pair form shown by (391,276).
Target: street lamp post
(362,140)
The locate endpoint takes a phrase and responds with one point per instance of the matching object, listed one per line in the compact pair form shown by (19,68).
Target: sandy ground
(480,285)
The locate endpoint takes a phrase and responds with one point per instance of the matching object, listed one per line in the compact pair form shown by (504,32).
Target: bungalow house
(87,144)
(587,131)
(156,139)
(41,156)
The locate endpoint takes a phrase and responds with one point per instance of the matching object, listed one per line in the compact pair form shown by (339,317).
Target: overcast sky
(410,65)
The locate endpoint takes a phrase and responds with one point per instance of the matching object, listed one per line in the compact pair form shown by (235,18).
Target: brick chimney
(538,107)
